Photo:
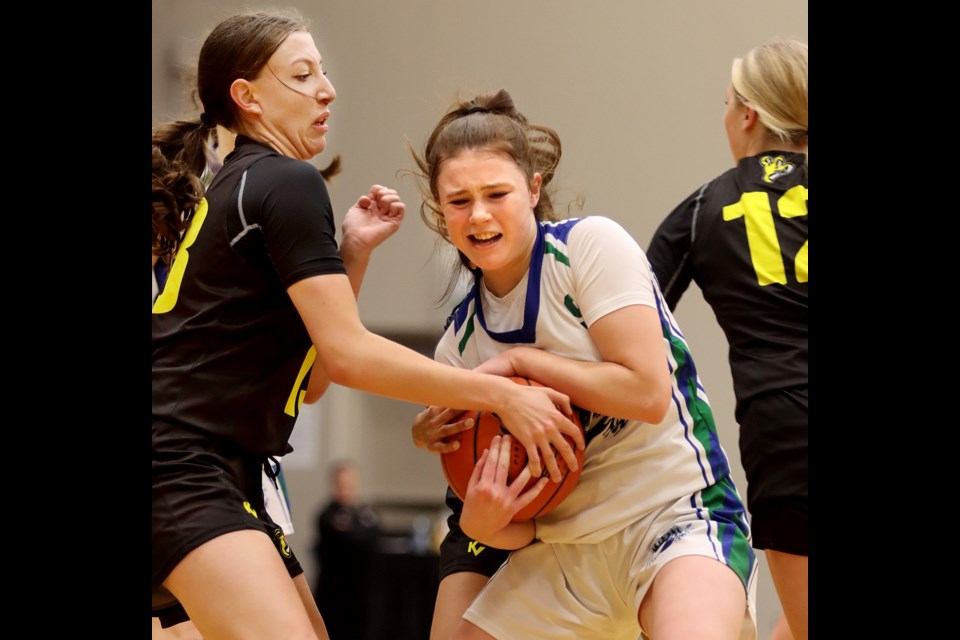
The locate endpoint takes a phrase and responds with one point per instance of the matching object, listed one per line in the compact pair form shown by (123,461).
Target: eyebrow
(308,60)
(486,187)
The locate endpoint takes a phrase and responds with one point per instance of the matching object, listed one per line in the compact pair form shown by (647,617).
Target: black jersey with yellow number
(231,355)
(742,238)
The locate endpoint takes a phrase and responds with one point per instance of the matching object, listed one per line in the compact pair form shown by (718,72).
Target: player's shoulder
(561,229)
(594,225)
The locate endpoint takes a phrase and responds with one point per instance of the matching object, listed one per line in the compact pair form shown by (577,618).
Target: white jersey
(581,270)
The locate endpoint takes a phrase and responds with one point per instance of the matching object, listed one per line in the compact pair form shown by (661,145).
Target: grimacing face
(487,205)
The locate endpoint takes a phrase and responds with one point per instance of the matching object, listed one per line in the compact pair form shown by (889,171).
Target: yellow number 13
(754,208)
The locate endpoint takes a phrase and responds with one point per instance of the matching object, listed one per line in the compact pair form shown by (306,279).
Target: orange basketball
(458,465)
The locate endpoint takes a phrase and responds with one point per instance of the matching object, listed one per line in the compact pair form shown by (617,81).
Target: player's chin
(316,143)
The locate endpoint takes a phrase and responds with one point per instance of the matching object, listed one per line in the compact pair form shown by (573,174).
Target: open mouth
(485,238)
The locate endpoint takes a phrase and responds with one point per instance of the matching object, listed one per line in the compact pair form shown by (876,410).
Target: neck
(762,141)
(272,138)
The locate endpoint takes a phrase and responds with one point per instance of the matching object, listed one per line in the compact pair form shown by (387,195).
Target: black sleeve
(296,218)
(669,249)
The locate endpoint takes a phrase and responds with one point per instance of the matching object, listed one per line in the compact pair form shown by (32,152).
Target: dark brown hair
(485,122)
(238,47)
(176,192)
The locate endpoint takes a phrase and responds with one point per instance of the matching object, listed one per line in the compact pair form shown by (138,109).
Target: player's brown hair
(491,122)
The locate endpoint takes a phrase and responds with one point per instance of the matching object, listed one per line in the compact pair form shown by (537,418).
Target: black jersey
(742,238)
(231,355)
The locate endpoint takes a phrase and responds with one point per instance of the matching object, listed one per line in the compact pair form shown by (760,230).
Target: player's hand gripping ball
(458,465)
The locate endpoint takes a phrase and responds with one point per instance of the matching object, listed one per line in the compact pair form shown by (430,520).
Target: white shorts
(275,499)
(593,591)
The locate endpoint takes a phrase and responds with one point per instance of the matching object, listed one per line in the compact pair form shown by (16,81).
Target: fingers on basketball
(460,465)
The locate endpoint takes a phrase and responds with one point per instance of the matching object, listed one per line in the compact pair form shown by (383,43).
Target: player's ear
(535,189)
(244,95)
(750,117)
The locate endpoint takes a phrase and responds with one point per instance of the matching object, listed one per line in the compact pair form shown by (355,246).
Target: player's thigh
(694,597)
(182,631)
(788,569)
(789,573)
(237,586)
(454,595)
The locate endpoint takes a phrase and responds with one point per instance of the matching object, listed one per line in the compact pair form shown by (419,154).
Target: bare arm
(354,357)
(632,382)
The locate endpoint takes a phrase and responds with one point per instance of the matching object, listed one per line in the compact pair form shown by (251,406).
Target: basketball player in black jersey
(259,315)
(742,238)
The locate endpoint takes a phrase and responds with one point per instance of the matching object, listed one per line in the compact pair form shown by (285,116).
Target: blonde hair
(772,78)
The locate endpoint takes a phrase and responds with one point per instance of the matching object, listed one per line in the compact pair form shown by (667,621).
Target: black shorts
(203,487)
(458,552)
(774,451)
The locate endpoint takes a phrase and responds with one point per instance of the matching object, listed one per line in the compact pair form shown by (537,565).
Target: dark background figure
(347,535)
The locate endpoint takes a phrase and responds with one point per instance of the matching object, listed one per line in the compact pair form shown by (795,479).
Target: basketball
(458,465)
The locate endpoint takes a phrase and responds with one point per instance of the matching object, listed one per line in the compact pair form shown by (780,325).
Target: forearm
(515,535)
(607,388)
(374,364)
(355,258)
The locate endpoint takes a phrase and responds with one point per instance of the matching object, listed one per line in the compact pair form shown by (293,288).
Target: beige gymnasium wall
(635,90)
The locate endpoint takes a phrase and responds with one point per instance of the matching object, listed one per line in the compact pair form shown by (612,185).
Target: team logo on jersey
(281,542)
(574,309)
(249,509)
(775,167)
(474,548)
(673,533)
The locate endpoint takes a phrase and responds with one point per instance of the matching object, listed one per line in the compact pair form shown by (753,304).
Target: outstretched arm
(354,357)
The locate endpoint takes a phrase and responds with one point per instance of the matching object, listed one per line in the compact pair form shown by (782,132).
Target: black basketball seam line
(476,436)
(503,429)
(443,461)
(560,484)
(555,491)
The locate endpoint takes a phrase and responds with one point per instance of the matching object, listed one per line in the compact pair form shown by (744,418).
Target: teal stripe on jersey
(550,249)
(726,510)
(466,333)
(704,429)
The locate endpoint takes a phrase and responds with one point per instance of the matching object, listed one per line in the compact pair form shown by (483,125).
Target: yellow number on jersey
(754,208)
(295,399)
(168,297)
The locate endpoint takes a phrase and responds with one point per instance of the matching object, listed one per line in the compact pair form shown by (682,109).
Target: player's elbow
(349,368)
(341,370)
(655,405)
(315,392)
(345,356)
(658,410)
